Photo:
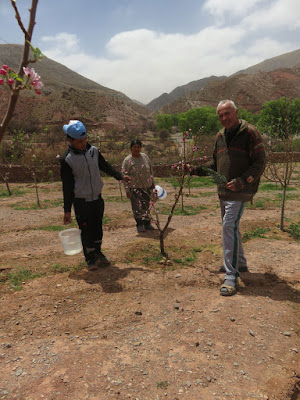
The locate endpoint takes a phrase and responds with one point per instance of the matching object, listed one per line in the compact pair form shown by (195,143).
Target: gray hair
(226,101)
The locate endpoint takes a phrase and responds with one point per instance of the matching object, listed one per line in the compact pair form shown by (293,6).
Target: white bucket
(71,241)
(160,192)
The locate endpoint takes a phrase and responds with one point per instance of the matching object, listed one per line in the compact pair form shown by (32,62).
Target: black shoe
(102,261)
(241,269)
(91,266)
(149,227)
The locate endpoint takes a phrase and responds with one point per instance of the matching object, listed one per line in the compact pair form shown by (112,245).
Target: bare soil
(145,328)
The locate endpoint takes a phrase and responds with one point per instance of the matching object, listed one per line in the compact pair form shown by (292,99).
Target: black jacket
(80,174)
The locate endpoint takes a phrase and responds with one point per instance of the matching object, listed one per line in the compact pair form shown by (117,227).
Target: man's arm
(258,162)
(257,154)
(106,167)
(199,171)
(68,184)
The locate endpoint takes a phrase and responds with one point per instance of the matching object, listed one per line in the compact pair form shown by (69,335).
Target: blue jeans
(233,253)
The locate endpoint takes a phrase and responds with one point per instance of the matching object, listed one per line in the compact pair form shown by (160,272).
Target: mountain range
(249,91)
(287,60)
(69,95)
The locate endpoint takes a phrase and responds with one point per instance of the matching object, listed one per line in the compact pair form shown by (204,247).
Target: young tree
(164,121)
(248,116)
(181,171)
(24,78)
(202,120)
(280,120)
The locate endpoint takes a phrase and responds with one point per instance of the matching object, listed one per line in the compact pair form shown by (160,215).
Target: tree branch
(24,62)
(18,18)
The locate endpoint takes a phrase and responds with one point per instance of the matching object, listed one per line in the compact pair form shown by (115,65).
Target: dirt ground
(143,328)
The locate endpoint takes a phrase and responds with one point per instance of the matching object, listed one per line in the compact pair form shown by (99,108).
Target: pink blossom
(38,92)
(2,71)
(10,81)
(1,81)
(4,66)
(28,71)
(36,84)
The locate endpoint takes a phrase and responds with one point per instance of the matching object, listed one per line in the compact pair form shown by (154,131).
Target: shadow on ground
(108,277)
(268,285)
(155,233)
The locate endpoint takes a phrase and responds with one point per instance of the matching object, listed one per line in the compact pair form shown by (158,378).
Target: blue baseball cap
(75,129)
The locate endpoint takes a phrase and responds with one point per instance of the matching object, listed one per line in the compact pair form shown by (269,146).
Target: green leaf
(217,178)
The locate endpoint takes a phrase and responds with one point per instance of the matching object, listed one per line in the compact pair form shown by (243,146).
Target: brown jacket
(243,161)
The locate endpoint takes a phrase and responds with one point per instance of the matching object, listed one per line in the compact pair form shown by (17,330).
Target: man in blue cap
(82,185)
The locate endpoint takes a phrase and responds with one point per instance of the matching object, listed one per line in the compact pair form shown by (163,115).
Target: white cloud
(268,48)
(219,8)
(143,63)
(60,44)
(279,14)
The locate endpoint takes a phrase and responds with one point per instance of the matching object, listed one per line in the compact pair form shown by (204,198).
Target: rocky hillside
(180,91)
(249,91)
(67,95)
(287,60)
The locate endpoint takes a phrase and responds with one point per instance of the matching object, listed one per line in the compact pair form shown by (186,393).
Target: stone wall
(19,173)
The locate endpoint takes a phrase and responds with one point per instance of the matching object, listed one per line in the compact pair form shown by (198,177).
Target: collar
(75,151)
(234,129)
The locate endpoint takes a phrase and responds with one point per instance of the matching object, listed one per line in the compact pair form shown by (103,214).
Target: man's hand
(126,178)
(231,186)
(236,185)
(67,218)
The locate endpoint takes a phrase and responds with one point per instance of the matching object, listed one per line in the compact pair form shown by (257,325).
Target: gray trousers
(233,253)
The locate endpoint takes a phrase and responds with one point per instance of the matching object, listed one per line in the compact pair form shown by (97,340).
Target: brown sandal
(228,290)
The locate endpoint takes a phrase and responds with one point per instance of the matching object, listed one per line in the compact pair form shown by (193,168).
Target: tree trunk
(24,62)
(7,185)
(9,113)
(282,208)
(36,191)
(162,245)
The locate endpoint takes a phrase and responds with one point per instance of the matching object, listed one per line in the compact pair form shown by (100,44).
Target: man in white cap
(82,185)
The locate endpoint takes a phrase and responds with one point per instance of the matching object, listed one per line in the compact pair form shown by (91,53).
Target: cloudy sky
(144,48)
